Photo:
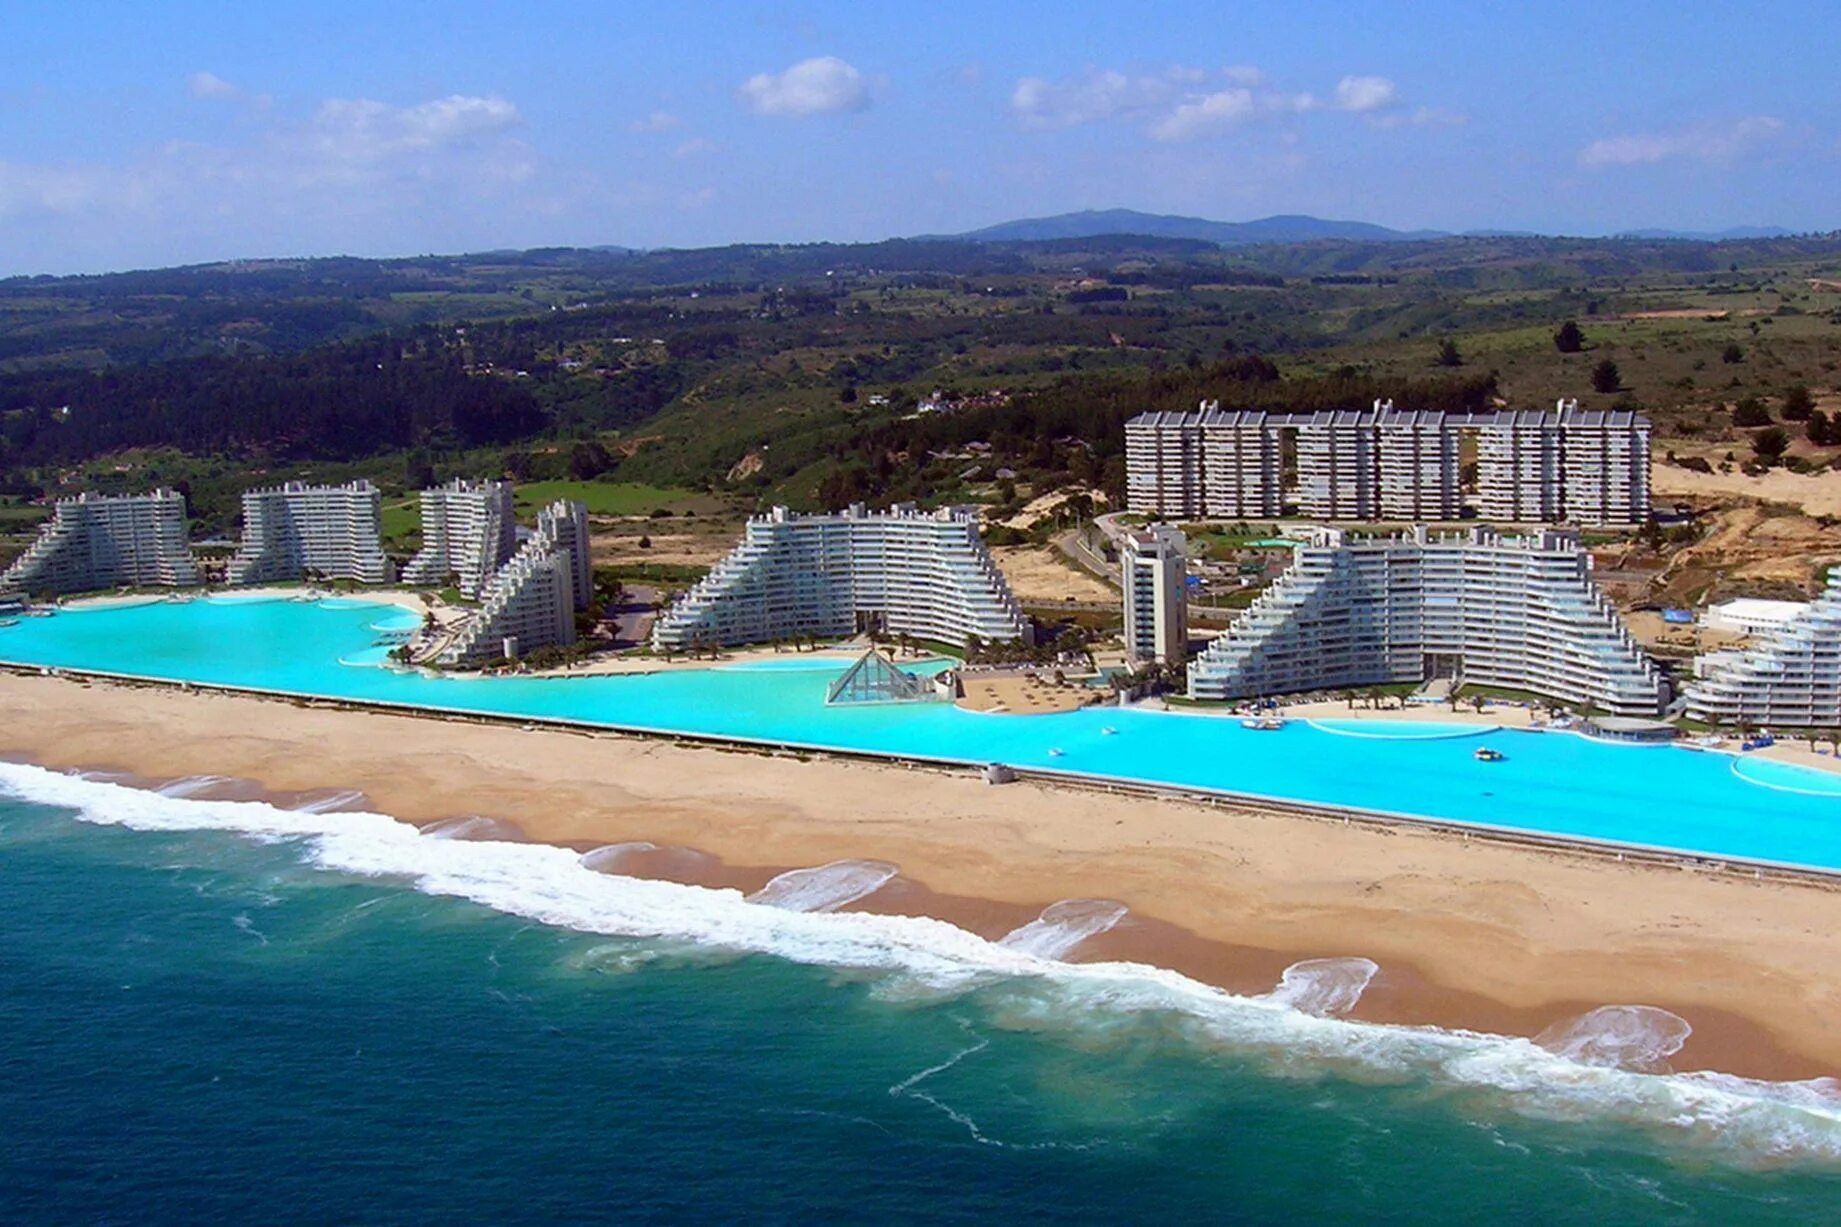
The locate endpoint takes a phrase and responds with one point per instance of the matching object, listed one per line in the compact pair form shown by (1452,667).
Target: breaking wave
(1326,988)
(824,888)
(1063,926)
(1565,1078)
(344,799)
(1640,1037)
(607,858)
(190,785)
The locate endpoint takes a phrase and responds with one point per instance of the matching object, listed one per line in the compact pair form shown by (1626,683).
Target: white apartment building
(1339,465)
(528,604)
(1590,467)
(1519,613)
(96,541)
(469,531)
(1790,678)
(332,532)
(1154,572)
(1604,461)
(1241,474)
(1419,468)
(566,523)
(1163,464)
(901,571)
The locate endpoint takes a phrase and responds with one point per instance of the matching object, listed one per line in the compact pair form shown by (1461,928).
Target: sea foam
(1736,1119)
(824,888)
(1063,926)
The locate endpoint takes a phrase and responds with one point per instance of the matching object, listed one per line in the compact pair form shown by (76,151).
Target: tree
(1447,354)
(1732,354)
(1605,377)
(1797,404)
(1750,412)
(1569,340)
(1820,430)
(1770,444)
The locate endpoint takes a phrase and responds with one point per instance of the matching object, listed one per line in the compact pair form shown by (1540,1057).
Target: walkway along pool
(1551,784)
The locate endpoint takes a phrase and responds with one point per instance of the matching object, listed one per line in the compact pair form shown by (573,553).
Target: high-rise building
(1153,572)
(96,541)
(1339,465)
(298,531)
(527,605)
(1789,677)
(469,531)
(1163,464)
(1590,467)
(1520,613)
(566,522)
(1520,467)
(1241,476)
(1419,467)
(1604,459)
(901,571)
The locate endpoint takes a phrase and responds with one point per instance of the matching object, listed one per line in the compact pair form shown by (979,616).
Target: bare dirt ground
(1818,494)
(1041,576)
(678,541)
(1746,549)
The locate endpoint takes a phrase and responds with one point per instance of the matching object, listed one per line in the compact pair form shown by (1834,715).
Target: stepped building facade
(298,531)
(1586,466)
(1789,677)
(530,602)
(98,541)
(468,532)
(1514,612)
(901,571)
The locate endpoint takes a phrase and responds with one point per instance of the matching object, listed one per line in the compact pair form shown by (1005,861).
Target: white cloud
(1205,116)
(693,147)
(657,121)
(1095,95)
(823,85)
(362,130)
(1709,142)
(1362,95)
(209,85)
(1182,104)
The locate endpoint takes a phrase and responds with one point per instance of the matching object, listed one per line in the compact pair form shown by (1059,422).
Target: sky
(135,135)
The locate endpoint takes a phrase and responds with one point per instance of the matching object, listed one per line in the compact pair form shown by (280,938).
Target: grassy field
(616,498)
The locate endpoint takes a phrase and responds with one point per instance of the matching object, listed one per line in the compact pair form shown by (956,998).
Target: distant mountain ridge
(1090,223)
(1280,228)
(1709,236)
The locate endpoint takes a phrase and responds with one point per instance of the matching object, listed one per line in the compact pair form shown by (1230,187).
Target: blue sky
(134,135)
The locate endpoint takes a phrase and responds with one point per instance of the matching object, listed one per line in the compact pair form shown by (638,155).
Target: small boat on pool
(1264,724)
(1484,754)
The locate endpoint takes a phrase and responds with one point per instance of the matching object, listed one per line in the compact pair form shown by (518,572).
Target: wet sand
(1467,933)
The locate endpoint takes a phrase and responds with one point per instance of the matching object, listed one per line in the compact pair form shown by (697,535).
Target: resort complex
(1519,613)
(297,531)
(468,532)
(96,541)
(1154,573)
(903,571)
(530,603)
(1584,466)
(1790,677)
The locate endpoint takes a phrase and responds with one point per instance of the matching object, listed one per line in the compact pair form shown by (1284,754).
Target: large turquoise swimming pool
(1552,783)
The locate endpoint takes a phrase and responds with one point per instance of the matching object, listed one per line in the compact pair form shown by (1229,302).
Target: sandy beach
(1468,932)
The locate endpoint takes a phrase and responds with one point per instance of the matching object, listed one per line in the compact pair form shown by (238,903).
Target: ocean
(224,1011)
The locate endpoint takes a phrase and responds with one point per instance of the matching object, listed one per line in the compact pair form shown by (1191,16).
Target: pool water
(1551,783)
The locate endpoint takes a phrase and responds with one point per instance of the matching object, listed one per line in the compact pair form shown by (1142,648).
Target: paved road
(632,617)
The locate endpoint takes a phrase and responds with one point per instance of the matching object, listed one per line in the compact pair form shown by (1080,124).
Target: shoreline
(1469,933)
